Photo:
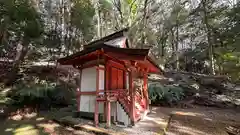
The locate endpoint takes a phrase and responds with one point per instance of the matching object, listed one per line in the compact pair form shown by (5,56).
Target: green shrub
(42,95)
(169,94)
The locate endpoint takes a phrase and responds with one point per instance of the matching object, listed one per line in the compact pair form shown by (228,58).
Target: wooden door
(113,78)
(120,79)
(116,78)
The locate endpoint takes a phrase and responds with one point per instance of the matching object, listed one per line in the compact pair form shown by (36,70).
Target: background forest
(200,36)
(195,42)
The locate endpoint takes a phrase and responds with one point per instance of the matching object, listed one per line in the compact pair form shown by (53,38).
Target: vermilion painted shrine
(113,79)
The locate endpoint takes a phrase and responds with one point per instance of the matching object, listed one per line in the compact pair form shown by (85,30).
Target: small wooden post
(97,92)
(107,105)
(79,91)
(96,114)
(116,112)
(106,87)
(132,94)
(108,114)
(145,84)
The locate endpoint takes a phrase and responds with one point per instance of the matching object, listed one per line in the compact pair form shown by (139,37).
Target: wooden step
(112,99)
(101,100)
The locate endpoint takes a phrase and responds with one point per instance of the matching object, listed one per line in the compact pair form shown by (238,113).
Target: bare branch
(118,6)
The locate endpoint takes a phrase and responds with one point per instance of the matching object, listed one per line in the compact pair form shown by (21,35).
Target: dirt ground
(37,124)
(201,121)
(194,121)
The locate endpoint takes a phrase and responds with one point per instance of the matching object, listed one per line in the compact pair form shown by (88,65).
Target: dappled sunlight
(208,119)
(40,119)
(26,130)
(158,121)
(69,129)
(153,118)
(151,124)
(187,113)
(86,126)
(153,112)
(26,125)
(16,117)
(9,129)
(154,108)
(23,128)
(170,133)
(191,124)
(187,130)
(48,126)
(6,90)
(23,114)
(38,125)
(30,115)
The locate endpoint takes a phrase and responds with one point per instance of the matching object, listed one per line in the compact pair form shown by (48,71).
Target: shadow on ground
(37,125)
(201,121)
(194,121)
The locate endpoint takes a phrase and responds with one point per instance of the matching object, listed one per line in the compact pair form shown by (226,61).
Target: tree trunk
(211,52)
(163,45)
(173,48)
(144,23)
(20,55)
(69,29)
(99,34)
(176,46)
(62,23)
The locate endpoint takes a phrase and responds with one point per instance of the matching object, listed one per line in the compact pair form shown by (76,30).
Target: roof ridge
(112,36)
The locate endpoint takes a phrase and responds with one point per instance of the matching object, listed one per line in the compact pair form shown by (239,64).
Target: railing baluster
(121,95)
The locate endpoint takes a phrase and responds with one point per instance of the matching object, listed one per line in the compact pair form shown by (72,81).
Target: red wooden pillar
(96,114)
(106,87)
(108,114)
(145,84)
(79,91)
(107,104)
(132,94)
(96,102)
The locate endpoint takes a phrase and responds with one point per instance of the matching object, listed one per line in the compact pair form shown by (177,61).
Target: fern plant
(169,94)
(44,95)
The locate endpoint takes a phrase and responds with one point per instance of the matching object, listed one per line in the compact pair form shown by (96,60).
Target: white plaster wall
(113,108)
(127,81)
(101,79)
(101,86)
(101,107)
(122,116)
(118,42)
(88,84)
(88,81)
(87,104)
(101,66)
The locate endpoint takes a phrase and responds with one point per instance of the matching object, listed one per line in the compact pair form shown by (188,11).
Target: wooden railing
(112,94)
(120,95)
(124,98)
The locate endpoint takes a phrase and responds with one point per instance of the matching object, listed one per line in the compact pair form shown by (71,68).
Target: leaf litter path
(194,121)
(36,126)
(201,121)
(190,121)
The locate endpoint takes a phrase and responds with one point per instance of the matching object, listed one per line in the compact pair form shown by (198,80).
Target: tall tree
(206,4)
(24,26)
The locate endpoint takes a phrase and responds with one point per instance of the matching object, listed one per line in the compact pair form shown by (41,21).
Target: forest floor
(200,121)
(172,121)
(189,121)
(36,125)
